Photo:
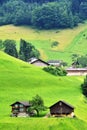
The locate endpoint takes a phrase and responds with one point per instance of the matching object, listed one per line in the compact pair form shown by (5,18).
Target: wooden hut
(20,108)
(61,108)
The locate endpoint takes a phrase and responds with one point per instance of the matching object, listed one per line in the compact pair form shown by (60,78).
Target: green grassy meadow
(71,41)
(21,81)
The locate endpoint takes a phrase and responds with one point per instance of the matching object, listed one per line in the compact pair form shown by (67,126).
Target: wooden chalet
(20,108)
(76,71)
(38,62)
(61,108)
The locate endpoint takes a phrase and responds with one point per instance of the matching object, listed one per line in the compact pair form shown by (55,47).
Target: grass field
(21,81)
(43,124)
(70,40)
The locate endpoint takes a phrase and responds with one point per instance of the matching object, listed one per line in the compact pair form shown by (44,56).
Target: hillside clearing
(64,37)
(43,39)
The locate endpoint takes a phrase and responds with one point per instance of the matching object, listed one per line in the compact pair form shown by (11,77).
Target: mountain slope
(21,81)
(69,40)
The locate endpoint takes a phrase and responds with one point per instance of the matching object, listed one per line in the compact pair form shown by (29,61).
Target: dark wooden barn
(20,108)
(61,108)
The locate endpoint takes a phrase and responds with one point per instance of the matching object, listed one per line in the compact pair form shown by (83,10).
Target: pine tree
(10,47)
(27,50)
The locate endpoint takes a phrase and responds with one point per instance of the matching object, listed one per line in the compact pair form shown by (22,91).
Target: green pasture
(42,124)
(21,81)
(71,41)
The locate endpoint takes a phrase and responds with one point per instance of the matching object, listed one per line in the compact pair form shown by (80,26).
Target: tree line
(26,50)
(43,14)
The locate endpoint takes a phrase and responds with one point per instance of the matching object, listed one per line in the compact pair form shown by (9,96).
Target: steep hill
(21,81)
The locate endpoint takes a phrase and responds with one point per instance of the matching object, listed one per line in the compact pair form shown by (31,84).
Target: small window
(21,109)
(15,111)
(16,105)
(21,105)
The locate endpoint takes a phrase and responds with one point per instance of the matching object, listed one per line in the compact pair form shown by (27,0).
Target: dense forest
(43,14)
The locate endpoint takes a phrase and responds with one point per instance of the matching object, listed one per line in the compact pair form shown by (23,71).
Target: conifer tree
(27,50)
(10,47)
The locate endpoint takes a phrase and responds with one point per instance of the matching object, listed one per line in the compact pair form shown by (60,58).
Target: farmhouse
(61,108)
(76,71)
(55,62)
(38,62)
(20,108)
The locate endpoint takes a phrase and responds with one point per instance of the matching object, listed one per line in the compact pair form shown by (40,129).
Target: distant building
(38,62)
(61,108)
(20,108)
(55,62)
(76,71)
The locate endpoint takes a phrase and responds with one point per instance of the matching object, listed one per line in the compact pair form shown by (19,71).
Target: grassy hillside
(21,81)
(69,40)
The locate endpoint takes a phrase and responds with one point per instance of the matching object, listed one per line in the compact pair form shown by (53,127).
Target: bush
(57,71)
(54,44)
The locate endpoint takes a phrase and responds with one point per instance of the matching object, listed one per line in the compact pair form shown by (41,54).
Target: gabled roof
(39,60)
(63,103)
(32,59)
(25,103)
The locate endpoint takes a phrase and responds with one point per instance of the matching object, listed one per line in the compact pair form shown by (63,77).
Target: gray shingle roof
(25,103)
